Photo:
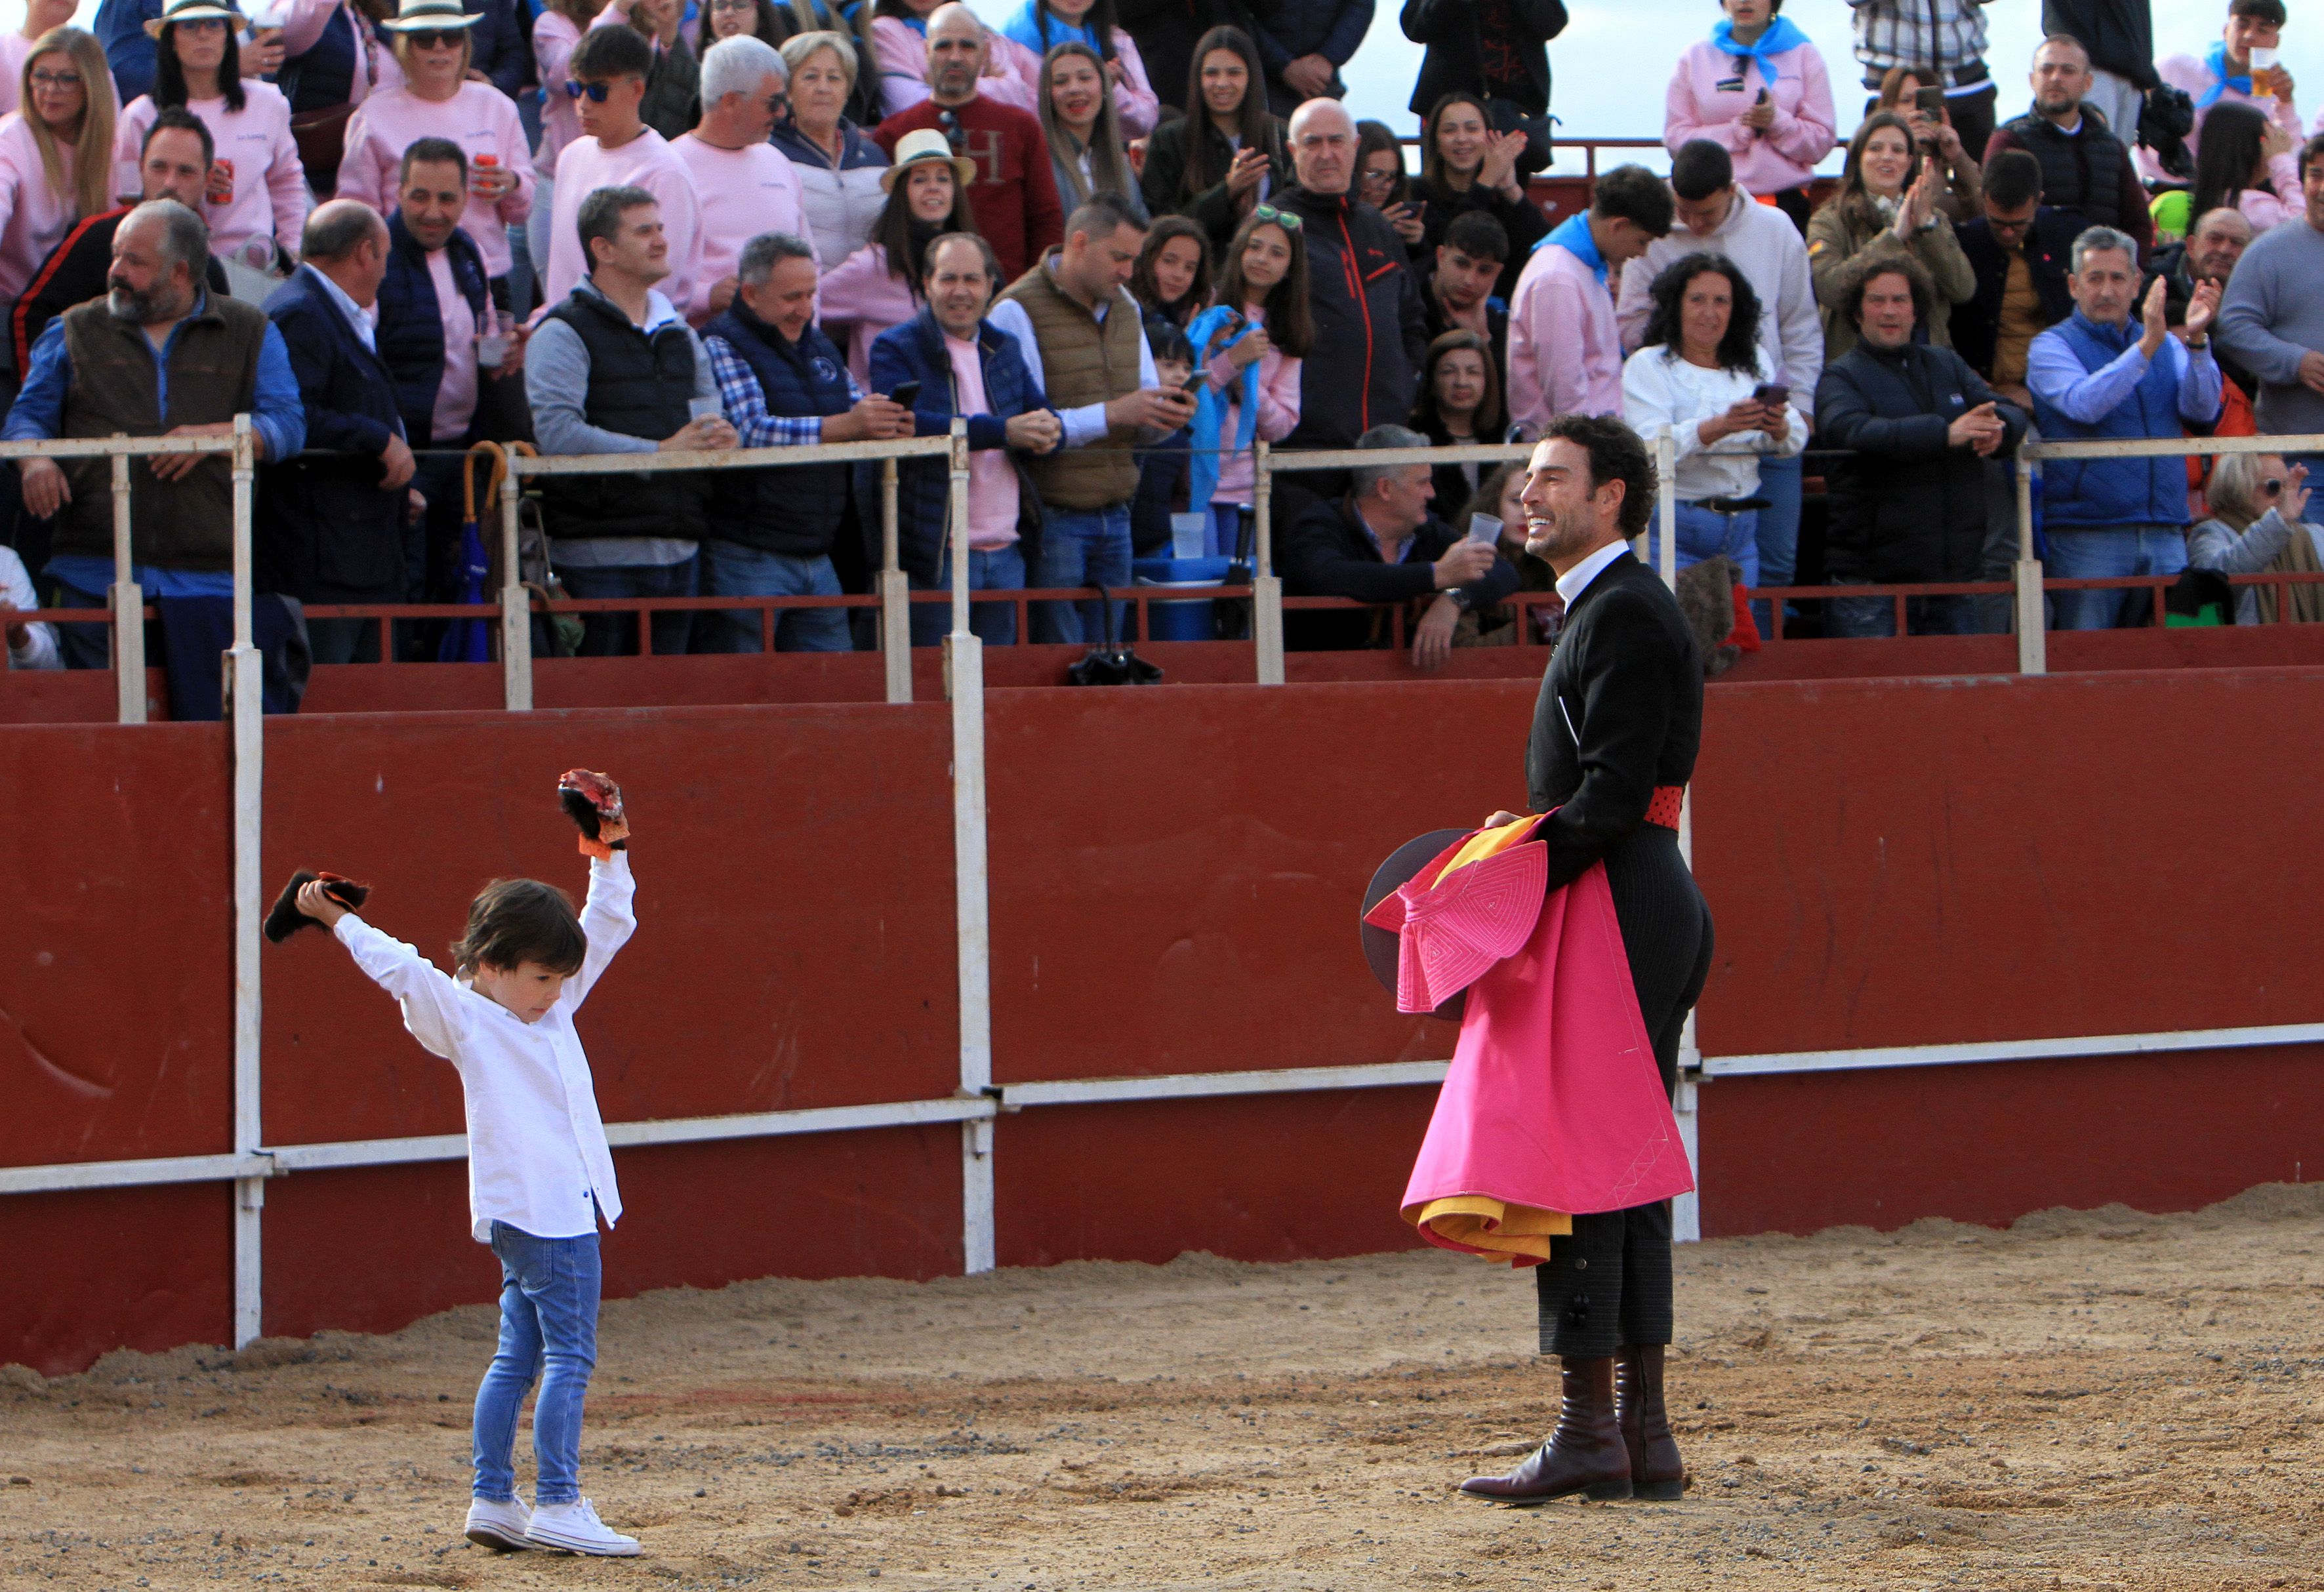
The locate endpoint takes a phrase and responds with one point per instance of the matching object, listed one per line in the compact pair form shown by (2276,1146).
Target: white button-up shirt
(537,1151)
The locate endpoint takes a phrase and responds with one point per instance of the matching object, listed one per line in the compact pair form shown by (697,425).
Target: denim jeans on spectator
(1705,533)
(343,640)
(1996,615)
(615,635)
(2094,555)
(1080,547)
(548,1330)
(1000,569)
(1782,482)
(1877,616)
(730,569)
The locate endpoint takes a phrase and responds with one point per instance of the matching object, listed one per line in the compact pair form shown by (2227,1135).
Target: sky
(1610,64)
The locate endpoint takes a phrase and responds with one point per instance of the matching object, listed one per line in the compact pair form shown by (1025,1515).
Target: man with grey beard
(159,354)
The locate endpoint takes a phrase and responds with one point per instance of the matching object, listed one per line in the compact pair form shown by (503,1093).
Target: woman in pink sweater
(1251,341)
(879,285)
(432,44)
(56,156)
(1758,89)
(257,203)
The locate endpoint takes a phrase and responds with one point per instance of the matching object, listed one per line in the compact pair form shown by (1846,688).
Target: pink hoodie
(646,162)
(902,52)
(33,217)
(1279,412)
(479,118)
(862,293)
(1134,101)
(742,192)
(1565,349)
(1782,157)
(270,186)
(553,39)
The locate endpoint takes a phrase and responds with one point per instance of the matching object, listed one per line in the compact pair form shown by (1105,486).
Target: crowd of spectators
(1127,242)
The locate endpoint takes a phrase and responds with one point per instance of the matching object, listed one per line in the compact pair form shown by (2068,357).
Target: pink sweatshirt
(2188,72)
(1784,155)
(479,118)
(1565,350)
(741,192)
(646,162)
(862,293)
(553,39)
(455,391)
(1279,411)
(993,493)
(33,217)
(2263,209)
(902,52)
(270,186)
(1134,101)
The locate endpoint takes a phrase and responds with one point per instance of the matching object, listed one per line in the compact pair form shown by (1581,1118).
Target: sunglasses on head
(1282,219)
(595,91)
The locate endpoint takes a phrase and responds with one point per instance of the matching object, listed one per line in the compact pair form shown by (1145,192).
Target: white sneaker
(575,1528)
(500,1527)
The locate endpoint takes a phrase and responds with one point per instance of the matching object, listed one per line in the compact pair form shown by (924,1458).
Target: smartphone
(1930,102)
(907,393)
(1193,386)
(1771,392)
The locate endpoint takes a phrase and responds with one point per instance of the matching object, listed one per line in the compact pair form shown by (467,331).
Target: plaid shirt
(1945,34)
(746,403)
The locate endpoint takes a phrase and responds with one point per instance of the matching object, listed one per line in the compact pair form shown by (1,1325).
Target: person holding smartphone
(1758,90)
(1922,104)
(1889,204)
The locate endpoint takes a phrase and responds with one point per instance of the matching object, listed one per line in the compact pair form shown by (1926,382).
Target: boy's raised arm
(430,1000)
(607,918)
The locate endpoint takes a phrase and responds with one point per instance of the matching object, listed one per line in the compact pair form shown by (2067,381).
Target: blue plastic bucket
(1188,621)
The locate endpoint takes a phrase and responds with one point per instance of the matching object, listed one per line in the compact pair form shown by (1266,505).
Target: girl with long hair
(1172,279)
(438,98)
(56,160)
(1036,27)
(1891,202)
(256,208)
(1251,343)
(1700,378)
(1382,182)
(1227,153)
(1078,118)
(1465,165)
(2244,163)
(879,285)
(838,167)
(1460,405)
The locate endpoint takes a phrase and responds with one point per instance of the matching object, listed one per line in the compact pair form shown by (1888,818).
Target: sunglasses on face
(436,38)
(595,91)
(2272,487)
(1379,179)
(1282,219)
(201,25)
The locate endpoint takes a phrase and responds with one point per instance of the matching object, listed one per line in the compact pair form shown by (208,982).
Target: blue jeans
(615,635)
(549,1318)
(1001,569)
(1705,533)
(88,647)
(729,569)
(1082,547)
(1782,482)
(1877,616)
(2074,554)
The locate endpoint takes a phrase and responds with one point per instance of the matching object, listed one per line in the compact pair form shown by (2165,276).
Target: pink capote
(1552,1102)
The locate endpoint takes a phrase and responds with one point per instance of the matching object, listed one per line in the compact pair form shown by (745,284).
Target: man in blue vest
(2096,374)
(784,384)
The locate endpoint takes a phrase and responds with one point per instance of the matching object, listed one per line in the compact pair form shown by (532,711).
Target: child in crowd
(1252,341)
(539,1173)
(1162,468)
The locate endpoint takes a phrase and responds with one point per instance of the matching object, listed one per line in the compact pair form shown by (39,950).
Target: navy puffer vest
(794,510)
(411,324)
(640,387)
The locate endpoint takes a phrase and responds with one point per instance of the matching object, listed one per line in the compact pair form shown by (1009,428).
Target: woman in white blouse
(1702,378)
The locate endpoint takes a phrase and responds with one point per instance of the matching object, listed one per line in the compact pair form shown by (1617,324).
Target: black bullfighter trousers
(1608,1282)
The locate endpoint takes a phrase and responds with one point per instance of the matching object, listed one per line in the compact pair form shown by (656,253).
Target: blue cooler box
(1188,621)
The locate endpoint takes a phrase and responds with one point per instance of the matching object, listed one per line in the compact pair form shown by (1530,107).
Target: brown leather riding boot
(1585,1454)
(1655,1469)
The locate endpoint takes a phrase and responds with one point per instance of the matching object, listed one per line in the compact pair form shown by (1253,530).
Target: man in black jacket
(2119,35)
(2019,249)
(1379,544)
(1908,494)
(331,529)
(1615,734)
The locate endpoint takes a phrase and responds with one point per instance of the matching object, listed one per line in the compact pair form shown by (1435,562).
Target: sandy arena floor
(2098,1399)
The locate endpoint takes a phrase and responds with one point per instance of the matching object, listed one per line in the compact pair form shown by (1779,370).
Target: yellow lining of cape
(1489,842)
(1491,1227)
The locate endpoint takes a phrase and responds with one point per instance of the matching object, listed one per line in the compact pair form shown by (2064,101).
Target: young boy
(539,1173)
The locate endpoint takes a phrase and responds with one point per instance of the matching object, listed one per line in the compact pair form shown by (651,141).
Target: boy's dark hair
(610,52)
(513,921)
(1616,454)
(1479,236)
(2270,12)
(177,118)
(2013,177)
(1167,340)
(1699,169)
(1633,193)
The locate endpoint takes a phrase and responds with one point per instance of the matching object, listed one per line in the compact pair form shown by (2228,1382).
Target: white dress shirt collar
(360,319)
(1572,584)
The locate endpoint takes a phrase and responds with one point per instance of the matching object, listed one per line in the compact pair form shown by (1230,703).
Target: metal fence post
(516,615)
(1667,483)
(1267,586)
(247,726)
(2033,639)
(128,605)
(895,595)
(965,679)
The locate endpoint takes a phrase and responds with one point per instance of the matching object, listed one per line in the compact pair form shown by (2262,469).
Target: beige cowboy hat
(414,16)
(915,148)
(192,11)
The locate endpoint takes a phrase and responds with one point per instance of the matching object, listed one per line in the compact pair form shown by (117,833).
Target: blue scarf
(1024,25)
(1211,408)
(2220,82)
(1572,236)
(1781,34)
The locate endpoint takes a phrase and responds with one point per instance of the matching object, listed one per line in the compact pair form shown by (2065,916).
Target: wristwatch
(1461,599)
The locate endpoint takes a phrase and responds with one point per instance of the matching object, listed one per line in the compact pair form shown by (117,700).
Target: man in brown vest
(158,356)
(1084,341)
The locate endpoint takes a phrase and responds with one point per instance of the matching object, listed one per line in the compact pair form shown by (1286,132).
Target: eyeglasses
(733,4)
(595,91)
(60,80)
(436,38)
(1379,179)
